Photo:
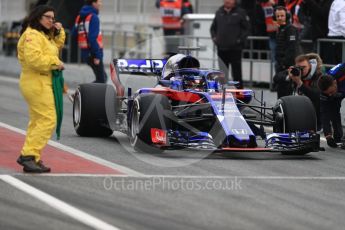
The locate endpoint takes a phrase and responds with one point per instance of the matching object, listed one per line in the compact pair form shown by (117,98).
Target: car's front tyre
(294,114)
(149,111)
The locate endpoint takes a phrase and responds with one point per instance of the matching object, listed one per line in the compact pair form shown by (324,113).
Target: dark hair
(287,13)
(33,19)
(280,8)
(89,2)
(325,81)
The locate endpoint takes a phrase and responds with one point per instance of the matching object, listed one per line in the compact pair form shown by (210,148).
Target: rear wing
(153,67)
(140,66)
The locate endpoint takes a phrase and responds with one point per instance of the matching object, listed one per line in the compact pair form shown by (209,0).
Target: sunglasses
(49,17)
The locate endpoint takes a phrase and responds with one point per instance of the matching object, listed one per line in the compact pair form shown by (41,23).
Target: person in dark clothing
(309,66)
(250,6)
(258,22)
(306,84)
(229,31)
(288,46)
(318,10)
(87,30)
(304,81)
(332,86)
(283,84)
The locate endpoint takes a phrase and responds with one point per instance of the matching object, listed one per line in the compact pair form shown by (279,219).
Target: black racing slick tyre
(149,111)
(295,114)
(89,109)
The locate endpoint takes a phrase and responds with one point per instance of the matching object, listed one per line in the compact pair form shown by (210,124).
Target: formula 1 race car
(192,108)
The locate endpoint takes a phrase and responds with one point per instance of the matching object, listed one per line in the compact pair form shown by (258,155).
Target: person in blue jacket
(332,86)
(90,40)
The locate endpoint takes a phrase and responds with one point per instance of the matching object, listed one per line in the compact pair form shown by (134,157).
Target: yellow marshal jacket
(39,55)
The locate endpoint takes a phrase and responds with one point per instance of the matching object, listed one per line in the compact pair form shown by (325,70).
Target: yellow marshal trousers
(38,55)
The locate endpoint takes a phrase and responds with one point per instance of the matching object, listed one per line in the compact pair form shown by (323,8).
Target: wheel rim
(280,111)
(135,121)
(77,108)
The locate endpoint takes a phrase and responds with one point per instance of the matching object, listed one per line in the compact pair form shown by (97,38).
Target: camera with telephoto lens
(296,71)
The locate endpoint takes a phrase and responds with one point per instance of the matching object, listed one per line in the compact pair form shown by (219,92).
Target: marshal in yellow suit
(38,55)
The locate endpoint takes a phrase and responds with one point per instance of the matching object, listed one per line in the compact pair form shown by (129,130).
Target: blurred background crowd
(128,24)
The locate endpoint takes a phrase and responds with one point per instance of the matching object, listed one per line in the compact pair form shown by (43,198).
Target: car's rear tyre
(90,109)
(294,114)
(149,111)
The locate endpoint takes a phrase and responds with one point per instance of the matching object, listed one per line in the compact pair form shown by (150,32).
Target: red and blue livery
(192,108)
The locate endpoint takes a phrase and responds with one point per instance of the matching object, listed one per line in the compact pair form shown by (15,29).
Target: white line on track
(82,154)
(190,177)
(59,205)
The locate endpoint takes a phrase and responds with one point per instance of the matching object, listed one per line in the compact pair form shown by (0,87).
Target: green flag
(58,83)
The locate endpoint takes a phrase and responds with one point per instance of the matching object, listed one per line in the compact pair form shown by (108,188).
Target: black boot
(43,167)
(31,166)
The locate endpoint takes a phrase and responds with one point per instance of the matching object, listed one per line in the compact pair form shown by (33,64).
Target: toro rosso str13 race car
(192,108)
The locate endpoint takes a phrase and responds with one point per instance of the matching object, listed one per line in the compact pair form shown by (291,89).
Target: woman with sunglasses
(38,53)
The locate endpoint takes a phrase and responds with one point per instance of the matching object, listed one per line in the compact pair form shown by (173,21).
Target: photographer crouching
(302,78)
(332,86)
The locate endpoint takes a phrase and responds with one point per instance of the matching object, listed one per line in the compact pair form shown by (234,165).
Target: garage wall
(12,10)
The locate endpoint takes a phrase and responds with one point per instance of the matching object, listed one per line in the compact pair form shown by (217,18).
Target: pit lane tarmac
(272,192)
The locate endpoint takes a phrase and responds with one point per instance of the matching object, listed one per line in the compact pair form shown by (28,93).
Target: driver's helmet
(194,82)
(179,61)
